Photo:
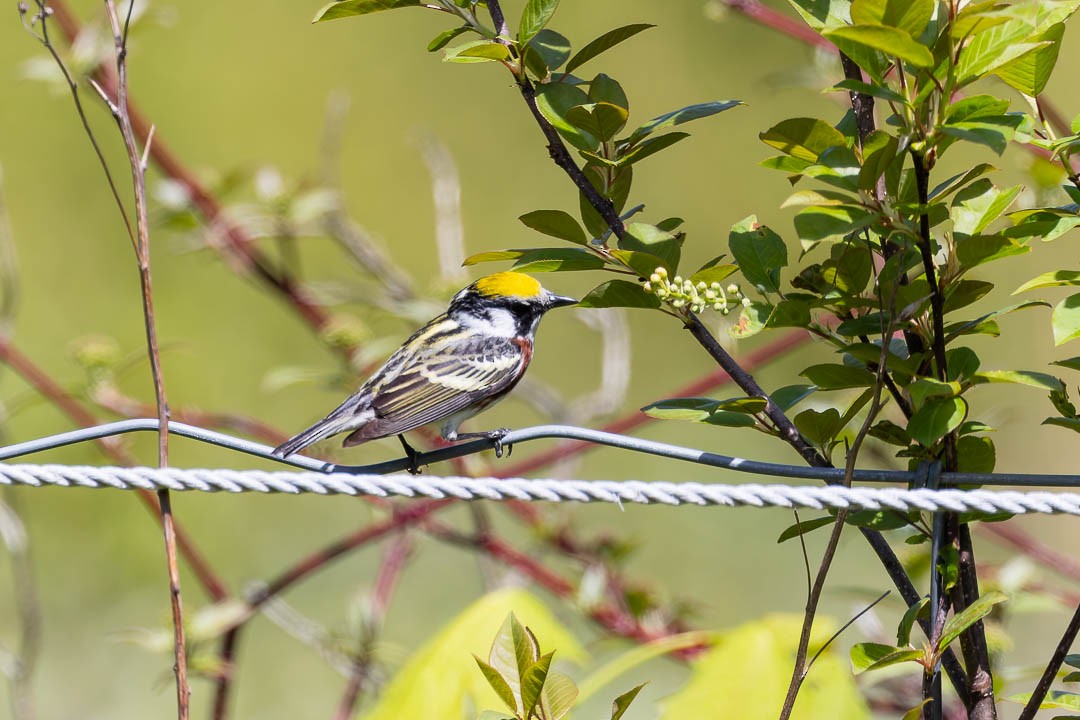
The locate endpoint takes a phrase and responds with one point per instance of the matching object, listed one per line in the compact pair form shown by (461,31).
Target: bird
(457,365)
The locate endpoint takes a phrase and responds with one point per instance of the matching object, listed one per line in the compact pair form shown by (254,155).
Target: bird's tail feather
(341,419)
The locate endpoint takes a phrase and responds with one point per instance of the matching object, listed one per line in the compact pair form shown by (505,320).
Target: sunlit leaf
(1066,319)
(1054,278)
(974,612)
(936,419)
(760,252)
(437,681)
(803,138)
(350,8)
(534,17)
(889,40)
(874,656)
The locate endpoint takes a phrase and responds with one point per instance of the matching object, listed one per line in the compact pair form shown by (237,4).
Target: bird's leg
(495,436)
(412,454)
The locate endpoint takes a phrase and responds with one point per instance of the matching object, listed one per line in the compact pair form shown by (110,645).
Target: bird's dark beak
(554,301)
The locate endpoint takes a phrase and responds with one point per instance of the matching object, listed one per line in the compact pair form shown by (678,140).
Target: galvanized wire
(517,437)
(826,497)
(323,478)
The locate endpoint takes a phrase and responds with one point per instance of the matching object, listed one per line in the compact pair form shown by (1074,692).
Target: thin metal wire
(524,435)
(817,497)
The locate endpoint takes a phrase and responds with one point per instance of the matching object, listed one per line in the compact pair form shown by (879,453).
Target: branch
(1052,667)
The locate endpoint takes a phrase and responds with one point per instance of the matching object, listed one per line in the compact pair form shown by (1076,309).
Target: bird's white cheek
(499,322)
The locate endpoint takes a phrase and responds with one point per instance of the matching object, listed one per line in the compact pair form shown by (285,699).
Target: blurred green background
(240,88)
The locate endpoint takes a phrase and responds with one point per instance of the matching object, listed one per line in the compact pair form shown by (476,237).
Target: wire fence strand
(383,479)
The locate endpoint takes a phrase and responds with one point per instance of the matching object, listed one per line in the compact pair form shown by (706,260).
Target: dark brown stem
(788,432)
(561,156)
(1052,667)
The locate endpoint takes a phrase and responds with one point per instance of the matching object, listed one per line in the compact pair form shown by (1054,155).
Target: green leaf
(555,223)
(960,180)
(819,427)
(1055,278)
(751,321)
(972,614)
(442,39)
(891,41)
(558,695)
(1054,700)
(925,388)
(1066,320)
(735,412)
(890,432)
(975,454)
(936,419)
(879,151)
(534,17)
(650,146)
(349,8)
(830,376)
(714,273)
(554,100)
(962,362)
(620,705)
(680,116)
(789,313)
(991,49)
(643,237)
(1068,423)
(1030,72)
(1071,363)
(607,90)
(546,52)
(874,656)
(725,680)
(984,323)
(789,396)
(532,683)
(981,249)
(1039,380)
(1047,224)
(603,43)
(498,684)
(619,293)
(493,256)
(960,294)
(803,138)
(978,205)
(760,253)
(557,260)
(453,688)
(641,262)
(907,622)
(477,51)
(879,91)
(911,16)
(995,132)
(818,222)
(804,527)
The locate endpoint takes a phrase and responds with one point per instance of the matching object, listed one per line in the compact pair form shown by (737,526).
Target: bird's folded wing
(432,386)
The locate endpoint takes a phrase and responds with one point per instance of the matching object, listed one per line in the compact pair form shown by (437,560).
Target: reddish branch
(54,393)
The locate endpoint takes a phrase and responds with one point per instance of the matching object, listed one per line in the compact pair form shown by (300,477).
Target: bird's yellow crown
(508,283)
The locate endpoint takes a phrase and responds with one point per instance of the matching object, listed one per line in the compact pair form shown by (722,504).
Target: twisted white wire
(666,493)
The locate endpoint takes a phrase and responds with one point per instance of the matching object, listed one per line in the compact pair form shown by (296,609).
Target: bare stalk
(141,241)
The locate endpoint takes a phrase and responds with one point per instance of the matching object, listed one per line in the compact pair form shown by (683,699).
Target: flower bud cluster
(682,293)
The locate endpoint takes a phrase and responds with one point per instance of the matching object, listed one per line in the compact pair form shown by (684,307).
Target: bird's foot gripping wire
(495,436)
(410,452)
